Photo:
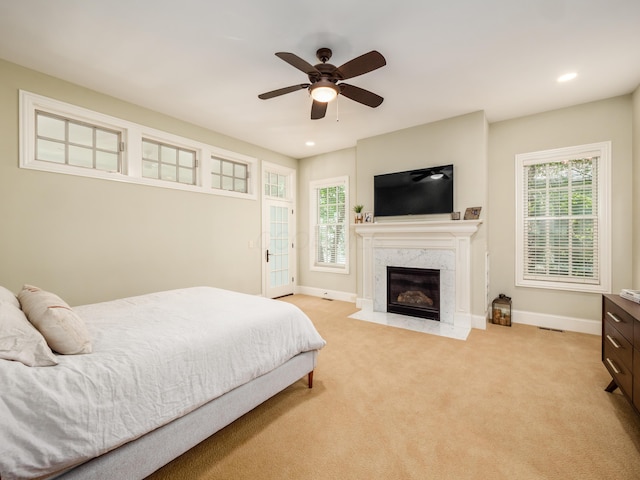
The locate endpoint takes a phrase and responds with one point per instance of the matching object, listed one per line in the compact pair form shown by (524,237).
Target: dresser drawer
(636,380)
(621,374)
(614,345)
(619,318)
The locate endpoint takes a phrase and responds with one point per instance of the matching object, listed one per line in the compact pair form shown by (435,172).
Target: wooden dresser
(621,346)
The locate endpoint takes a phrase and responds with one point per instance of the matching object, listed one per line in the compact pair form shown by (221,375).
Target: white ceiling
(206,61)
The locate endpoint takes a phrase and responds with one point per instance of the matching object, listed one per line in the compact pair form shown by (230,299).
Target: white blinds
(560,214)
(331,226)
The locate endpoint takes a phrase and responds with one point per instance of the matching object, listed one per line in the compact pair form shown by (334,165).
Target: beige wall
(593,122)
(321,167)
(91,240)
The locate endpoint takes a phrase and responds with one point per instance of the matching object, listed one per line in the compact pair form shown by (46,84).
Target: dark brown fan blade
(360,65)
(298,62)
(360,95)
(282,91)
(318,110)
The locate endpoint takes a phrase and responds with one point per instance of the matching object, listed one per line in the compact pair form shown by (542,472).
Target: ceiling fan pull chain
(338,108)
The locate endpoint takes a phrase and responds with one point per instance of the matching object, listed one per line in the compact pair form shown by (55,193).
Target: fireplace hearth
(414,292)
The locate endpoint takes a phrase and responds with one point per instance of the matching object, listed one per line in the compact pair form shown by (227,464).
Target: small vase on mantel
(357,209)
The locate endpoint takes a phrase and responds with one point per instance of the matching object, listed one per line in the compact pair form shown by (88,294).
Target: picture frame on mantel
(368,217)
(472,213)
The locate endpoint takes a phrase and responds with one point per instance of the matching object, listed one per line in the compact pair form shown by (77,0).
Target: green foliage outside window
(331,226)
(561,219)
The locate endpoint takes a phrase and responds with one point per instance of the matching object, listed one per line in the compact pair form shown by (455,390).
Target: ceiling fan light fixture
(324,91)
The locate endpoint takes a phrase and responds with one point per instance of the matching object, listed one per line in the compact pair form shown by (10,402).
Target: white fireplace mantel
(428,236)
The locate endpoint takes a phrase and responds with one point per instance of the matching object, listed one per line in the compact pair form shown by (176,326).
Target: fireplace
(414,292)
(444,245)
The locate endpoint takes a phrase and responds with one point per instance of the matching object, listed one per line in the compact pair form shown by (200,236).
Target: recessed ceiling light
(567,76)
(310,143)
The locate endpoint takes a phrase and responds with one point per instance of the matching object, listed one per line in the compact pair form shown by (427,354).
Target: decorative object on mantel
(455,215)
(472,213)
(358,211)
(368,217)
(501,310)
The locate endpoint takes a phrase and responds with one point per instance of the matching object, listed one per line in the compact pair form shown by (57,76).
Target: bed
(165,371)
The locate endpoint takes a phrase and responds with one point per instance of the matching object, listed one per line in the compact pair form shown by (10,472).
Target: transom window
(63,138)
(330,225)
(563,219)
(275,185)
(69,142)
(168,162)
(229,175)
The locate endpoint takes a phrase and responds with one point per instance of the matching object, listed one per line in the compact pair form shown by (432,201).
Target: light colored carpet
(508,403)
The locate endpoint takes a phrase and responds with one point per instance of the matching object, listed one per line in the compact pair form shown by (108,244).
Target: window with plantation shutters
(330,227)
(563,218)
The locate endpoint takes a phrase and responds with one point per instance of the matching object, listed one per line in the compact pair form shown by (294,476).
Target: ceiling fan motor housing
(324,54)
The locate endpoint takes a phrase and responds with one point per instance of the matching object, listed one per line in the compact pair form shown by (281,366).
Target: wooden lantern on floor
(501,310)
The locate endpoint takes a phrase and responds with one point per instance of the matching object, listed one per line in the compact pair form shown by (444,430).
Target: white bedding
(155,358)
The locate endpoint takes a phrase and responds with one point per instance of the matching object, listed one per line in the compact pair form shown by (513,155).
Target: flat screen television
(424,191)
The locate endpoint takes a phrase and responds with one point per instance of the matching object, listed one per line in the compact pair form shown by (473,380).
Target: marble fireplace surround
(445,245)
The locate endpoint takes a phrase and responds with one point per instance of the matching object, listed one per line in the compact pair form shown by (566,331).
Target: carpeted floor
(509,403)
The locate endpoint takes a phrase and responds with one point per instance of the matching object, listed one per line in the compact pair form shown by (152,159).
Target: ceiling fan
(323,80)
(435,173)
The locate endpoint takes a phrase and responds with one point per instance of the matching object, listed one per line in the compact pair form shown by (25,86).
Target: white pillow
(7,295)
(20,341)
(63,329)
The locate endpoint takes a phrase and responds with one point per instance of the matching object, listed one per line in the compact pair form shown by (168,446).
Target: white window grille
(330,240)
(275,185)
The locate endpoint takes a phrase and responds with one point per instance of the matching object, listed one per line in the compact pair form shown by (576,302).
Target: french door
(279,231)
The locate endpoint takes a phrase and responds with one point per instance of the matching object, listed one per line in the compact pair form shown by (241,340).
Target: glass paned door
(278,262)
(279,228)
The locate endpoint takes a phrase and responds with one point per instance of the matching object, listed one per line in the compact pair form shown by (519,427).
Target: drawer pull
(613,366)
(613,341)
(614,317)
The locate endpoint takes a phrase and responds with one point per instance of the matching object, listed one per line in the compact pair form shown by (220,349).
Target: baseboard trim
(557,322)
(325,293)
(479,322)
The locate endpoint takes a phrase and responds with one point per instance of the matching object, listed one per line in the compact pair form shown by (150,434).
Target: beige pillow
(20,341)
(63,329)
(7,295)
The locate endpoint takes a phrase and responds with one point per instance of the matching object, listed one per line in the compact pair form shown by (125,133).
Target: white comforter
(155,358)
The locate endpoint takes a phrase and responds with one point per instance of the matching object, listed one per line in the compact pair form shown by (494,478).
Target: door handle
(267,254)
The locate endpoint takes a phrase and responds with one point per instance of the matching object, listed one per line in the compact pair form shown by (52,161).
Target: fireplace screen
(414,291)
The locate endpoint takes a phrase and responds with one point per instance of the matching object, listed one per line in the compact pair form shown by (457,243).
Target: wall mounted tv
(424,191)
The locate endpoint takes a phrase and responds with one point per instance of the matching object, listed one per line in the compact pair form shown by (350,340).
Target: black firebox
(414,292)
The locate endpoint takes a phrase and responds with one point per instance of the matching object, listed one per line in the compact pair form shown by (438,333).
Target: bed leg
(310,379)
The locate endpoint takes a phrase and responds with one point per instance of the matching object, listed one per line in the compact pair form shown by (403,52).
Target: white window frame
(131,158)
(601,150)
(313,209)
